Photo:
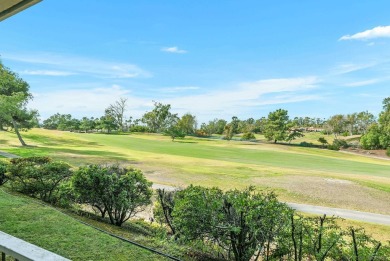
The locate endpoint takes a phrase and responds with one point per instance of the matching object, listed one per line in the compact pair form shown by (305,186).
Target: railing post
(2,256)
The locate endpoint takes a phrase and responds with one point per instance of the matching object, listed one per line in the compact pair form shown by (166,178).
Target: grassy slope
(49,229)
(297,173)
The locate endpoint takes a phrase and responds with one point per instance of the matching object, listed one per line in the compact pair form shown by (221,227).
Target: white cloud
(228,102)
(79,65)
(46,73)
(376,32)
(179,89)
(362,83)
(82,102)
(351,67)
(173,49)
(223,103)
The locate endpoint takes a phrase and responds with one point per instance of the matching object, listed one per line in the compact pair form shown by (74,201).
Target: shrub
(248,136)
(337,144)
(388,151)
(238,222)
(118,192)
(323,141)
(139,128)
(3,170)
(306,144)
(201,133)
(38,177)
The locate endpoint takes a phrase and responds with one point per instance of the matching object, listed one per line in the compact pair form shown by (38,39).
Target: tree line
(236,224)
(15,94)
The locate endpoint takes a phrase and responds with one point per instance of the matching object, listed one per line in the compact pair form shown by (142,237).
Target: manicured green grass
(291,170)
(24,218)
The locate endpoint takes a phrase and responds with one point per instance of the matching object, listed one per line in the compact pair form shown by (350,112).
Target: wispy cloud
(82,102)
(173,49)
(376,32)
(362,83)
(247,95)
(351,67)
(47,73)
(179,89)
(78,64)
(222,103)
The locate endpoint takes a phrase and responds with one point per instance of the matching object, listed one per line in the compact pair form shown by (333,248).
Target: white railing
(24,251)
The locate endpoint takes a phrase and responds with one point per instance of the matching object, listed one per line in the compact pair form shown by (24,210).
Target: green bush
(248,136)
(201,133)
(38,177)
(3,170)
(118,192)
(388,151)
(139,128)
(338,144)
(306,144)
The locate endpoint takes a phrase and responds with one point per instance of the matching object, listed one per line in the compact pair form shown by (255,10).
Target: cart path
(8,155)
(320,210)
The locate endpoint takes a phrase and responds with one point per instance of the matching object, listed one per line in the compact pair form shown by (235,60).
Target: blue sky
(215,59)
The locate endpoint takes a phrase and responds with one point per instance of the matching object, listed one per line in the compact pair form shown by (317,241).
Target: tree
(336,124)
(323,141)
(293,134)
(187,123)
(14,95)
(364,121)
(351,122)
(87,124)
(118,192)
(175,131)
(277,125)
(228,132)
(160,118)
(108,123)
(116,111)
(378,135)
(220,126)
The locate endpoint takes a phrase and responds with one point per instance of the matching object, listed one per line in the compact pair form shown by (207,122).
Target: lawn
(298,174)
(45,227)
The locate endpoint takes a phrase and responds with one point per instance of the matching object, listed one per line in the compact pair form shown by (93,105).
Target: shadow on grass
(29,151)
(53,141)
(4,141)
(182,141)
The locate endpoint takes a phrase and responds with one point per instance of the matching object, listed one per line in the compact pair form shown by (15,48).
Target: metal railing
(23,251)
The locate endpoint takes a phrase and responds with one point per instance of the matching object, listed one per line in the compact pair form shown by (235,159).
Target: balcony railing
(23,251)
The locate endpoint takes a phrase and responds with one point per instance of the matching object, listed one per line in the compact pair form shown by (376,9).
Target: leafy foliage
(3,170)
(118,192)
(277,125)
(378,135)
(248,136)
(38,176)
(239,222)
(160,118)
(323,141)
(174,131)
(14,95)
